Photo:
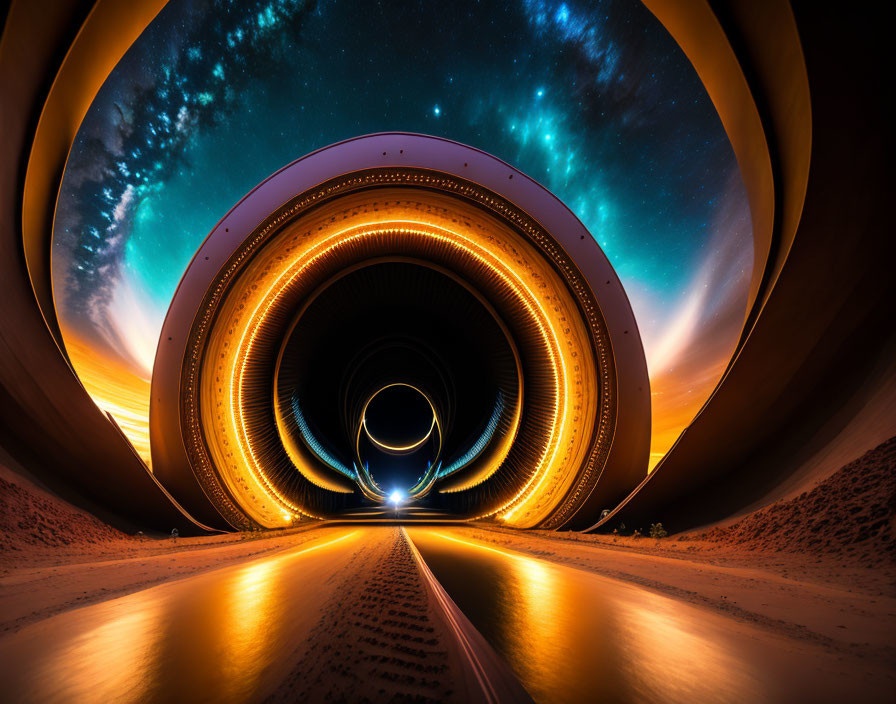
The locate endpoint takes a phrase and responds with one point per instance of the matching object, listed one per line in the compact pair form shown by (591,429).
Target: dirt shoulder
(31,593)
(39,529)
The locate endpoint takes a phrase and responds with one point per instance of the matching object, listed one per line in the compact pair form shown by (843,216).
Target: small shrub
(657,531)
(636,534)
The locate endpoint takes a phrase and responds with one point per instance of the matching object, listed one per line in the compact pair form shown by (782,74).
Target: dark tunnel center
(407,365)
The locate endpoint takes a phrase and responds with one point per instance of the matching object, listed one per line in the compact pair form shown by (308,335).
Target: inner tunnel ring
(383,444)
(576,419)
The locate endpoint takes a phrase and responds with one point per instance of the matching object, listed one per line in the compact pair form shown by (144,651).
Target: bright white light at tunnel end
(396,497)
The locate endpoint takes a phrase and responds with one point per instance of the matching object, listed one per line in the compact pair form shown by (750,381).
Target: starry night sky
(593,99)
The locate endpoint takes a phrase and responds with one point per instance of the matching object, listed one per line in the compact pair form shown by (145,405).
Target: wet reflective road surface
(573,636)
(233,634)
(230,635)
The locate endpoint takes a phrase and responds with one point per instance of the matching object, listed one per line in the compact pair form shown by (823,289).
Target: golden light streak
(398,448)
(318,546)
(96,666)
(480,546)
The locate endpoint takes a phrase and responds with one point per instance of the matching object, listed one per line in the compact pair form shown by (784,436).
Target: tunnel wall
(48,422)
(819,350)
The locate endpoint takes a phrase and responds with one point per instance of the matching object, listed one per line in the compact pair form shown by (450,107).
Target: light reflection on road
(225,636)
(572,636)
(233,634)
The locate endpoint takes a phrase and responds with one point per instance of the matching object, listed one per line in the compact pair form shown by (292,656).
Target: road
(573,636)
(237,633)
(224,636)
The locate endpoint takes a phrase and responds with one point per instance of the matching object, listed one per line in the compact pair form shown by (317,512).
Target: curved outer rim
(626,463)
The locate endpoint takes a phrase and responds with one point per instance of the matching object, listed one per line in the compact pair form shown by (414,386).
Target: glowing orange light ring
(515,284)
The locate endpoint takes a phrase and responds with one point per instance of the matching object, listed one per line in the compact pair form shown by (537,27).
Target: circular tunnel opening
(326,291)
(397,446)
(398,419)
(395,367)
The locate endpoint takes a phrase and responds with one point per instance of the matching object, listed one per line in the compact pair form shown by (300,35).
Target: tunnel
(399,322)
(437,308)
(517,351)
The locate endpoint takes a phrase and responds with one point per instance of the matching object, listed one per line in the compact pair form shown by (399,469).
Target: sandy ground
(819,567)
(380,637)
(344,615)
(38,529)
(849,515)
(55,557)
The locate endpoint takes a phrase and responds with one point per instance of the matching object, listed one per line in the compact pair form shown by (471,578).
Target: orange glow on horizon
(123,391)
(116,388)
(675,402)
